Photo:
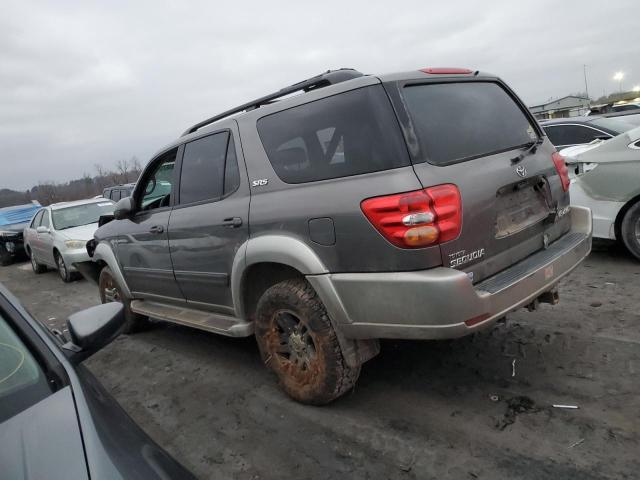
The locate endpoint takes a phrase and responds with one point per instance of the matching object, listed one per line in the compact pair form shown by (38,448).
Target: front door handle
(156,229)
(233,222)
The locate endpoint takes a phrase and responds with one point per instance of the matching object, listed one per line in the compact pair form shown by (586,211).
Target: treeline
(126,171)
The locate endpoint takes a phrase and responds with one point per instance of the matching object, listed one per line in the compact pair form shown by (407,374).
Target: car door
(45,239)
(143,247)
(209,222)
(31,235)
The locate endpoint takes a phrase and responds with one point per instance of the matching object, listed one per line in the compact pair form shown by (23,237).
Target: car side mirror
(123,209)
(92,329)
(42,229)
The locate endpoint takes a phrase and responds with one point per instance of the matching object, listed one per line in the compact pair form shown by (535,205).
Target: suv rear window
(346,134)
(455,122)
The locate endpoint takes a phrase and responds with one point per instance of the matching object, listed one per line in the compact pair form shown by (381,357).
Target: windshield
(460,121)
(22,382)
(80,214)
(614,124)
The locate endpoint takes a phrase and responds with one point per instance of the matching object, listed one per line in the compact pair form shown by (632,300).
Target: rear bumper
(435,303)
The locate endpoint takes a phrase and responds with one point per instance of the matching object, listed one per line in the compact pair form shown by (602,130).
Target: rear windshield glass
(460,121)
(617,125)
(347,134)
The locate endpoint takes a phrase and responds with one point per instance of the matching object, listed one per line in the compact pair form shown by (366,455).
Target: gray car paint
(112,446)
(279,214)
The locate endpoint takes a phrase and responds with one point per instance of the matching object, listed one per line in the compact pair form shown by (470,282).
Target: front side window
(202,174)
(347,134)
(455,122)
(157,184)
(22,381)
(87,214)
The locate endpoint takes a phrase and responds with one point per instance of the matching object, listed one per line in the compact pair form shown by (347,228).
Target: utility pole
(586,87)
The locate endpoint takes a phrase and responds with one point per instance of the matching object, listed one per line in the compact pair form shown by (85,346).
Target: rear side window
(571,134)
(35,223)
(45,219)
(347,134)
(455,122)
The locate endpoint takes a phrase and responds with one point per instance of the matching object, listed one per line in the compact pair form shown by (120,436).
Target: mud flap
(356,352)
(89,270)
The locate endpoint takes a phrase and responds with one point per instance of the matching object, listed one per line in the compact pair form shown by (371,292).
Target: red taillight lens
(446,71)
(561,167)
(417,219)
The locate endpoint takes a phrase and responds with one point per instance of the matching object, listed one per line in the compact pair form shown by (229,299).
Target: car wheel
(298,342)
(63,270)
(110,291)
(38,268)
(630,230)
(5,256)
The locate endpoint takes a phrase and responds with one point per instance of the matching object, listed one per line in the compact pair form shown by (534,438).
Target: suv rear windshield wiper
(530,148)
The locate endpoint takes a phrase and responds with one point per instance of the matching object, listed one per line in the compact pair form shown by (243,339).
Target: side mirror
(123,209)
(92,329)
(42,229)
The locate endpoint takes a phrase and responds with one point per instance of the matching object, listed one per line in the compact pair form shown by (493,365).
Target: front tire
(630,230)
(298,342)
(111,291)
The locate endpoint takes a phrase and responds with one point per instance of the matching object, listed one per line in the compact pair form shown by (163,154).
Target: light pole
(619,76)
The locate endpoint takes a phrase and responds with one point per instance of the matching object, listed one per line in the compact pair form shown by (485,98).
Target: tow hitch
(551,297)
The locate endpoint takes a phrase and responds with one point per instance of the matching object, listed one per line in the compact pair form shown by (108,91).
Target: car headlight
(74,244)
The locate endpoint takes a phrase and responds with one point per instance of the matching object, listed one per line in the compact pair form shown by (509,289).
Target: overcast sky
(94,82)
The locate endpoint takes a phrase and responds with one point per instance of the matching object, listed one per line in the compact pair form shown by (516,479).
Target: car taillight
(417,219)
(561,167)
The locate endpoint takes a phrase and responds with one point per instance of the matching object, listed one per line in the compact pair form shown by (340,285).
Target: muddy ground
(478,407)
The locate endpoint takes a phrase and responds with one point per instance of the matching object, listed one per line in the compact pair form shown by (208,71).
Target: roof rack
(330,77)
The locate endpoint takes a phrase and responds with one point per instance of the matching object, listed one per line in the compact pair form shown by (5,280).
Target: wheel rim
(34,264)
(637,230)
(62,268)
(291,345)
(110,291)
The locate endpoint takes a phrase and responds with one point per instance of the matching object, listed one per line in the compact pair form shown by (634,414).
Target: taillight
(417,219)
(561,167)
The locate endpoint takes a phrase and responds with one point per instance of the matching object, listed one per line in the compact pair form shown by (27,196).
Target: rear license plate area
(520,206)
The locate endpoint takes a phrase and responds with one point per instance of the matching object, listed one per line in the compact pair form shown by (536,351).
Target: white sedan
(57,235)
(606,178)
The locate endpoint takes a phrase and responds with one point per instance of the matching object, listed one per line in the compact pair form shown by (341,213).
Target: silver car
(57,235)
(606,178)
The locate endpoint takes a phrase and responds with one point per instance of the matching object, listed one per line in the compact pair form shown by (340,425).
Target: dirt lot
(478,407)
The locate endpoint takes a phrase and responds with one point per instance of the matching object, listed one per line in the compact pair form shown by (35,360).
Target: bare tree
(123,169)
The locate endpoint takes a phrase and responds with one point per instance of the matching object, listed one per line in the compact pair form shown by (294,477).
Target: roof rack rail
(330,77)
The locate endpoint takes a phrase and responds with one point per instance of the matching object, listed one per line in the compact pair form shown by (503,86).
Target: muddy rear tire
(111,291)
(298,342)
(630,230)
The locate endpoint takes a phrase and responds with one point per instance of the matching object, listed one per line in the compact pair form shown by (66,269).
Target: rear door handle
(233,222)
(156,229)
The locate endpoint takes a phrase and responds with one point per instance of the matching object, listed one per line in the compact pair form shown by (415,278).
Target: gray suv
(417,205)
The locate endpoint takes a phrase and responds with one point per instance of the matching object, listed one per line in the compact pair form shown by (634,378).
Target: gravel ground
(477,407)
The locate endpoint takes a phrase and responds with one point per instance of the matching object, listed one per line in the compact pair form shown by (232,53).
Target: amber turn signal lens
(421,236)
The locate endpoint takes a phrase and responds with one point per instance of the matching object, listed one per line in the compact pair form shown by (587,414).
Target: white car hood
(83,232)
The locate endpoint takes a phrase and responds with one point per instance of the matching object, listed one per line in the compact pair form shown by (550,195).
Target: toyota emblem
(521,171)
